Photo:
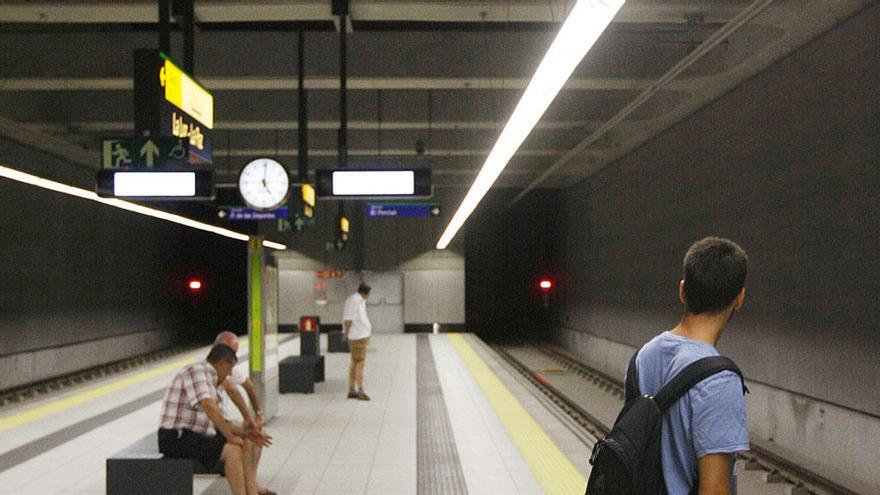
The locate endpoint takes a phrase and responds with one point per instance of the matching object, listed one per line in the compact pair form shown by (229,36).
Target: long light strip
(586,22)
(33,180)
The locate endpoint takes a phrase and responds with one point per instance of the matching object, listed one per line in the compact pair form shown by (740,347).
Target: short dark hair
(714,273)
(364,288)
(222,352)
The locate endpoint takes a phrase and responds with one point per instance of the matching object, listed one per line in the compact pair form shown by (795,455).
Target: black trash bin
(309,336)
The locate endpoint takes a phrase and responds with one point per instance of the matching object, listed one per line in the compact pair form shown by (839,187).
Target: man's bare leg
(352,377)
(234,468)
(250,468)
(256,452)
(359,375)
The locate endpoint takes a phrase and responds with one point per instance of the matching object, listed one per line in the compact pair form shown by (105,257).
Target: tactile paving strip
(439,467)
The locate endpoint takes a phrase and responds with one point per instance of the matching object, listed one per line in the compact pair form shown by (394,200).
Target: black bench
(335,342)
(140,469)
(299,373)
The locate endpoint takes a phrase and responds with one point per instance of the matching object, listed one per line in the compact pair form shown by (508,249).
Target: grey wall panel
(815,434)
(296,295)
(434,296)
(421,291)
(450,296)
(434,280)
(42,364)
(378,244)
(75,274)
(428,295)
(788,164)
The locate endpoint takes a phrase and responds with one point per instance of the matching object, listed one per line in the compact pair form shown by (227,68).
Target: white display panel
(373,183)
(154,184)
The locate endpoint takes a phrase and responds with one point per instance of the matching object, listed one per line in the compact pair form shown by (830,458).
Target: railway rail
(775,468)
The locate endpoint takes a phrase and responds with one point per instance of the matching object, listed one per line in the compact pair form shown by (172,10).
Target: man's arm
(237,399)
(234,434)
(346,326)
(715,472)
(230,431)
(255,401)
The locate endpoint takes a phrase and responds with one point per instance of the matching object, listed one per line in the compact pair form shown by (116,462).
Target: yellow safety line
(66,403)
(549,465)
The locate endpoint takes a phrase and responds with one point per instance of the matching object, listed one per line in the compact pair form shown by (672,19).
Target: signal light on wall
(194,285)
(546,284)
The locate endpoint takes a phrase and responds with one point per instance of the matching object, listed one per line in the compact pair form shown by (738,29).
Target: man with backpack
(684,417)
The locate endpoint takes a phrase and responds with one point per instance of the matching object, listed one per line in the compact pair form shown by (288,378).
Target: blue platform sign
(253,214)
(403,210)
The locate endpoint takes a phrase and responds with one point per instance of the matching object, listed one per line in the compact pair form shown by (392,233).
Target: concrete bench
(299,373)
(335,342)
(140,469)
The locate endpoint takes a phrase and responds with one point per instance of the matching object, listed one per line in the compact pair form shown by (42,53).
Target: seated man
(234,407)
(192,426)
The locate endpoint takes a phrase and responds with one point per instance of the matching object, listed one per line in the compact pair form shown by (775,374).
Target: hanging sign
(169,102)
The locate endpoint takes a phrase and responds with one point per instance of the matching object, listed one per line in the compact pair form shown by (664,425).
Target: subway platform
(447,415)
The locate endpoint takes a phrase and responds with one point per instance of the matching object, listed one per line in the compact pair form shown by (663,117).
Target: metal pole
(343,93)
(189,27)
(343,97)
(303,157)
(164,27)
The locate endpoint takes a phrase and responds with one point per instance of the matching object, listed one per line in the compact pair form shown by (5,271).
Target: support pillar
(263,346)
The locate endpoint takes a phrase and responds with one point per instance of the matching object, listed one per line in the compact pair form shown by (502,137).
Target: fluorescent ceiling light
(155,184)
(373,183)
(586,22)
(33,180)
(274,245)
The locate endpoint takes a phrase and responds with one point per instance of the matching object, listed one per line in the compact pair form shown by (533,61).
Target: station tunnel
(754,121)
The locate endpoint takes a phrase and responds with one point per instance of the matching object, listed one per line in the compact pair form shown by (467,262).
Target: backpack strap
(695,373)
(631,387)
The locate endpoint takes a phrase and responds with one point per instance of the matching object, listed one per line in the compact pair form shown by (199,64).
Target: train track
(774,468)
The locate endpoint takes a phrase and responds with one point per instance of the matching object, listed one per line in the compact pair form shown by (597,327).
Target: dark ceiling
(443,73)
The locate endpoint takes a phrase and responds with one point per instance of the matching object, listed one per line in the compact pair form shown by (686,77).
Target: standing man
(235,409)
(192,426)
(703,431)
(356,328)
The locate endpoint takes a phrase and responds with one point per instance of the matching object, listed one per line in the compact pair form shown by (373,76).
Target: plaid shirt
(180,407)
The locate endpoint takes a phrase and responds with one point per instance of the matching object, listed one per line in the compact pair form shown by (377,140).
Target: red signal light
(195,285)
(545,284)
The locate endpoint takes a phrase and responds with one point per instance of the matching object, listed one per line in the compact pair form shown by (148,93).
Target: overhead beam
(60,12)
(798,22)
(215,83)
(251,152)
(222,176)
(48,144)
(271,125)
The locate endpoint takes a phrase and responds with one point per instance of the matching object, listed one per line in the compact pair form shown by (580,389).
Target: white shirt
(356,311)
(238,376)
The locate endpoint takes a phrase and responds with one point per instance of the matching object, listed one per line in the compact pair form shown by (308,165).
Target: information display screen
(156,185)
(374,183)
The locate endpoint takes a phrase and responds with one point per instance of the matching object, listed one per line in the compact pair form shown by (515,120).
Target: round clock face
(263,183)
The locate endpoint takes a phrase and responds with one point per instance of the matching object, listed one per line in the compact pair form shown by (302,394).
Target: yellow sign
(343,224)
(180,128)
(308,194)
(186,94)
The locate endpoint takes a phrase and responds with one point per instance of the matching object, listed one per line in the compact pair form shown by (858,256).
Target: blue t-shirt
(709,419)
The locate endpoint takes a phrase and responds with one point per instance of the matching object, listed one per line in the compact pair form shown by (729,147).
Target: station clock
(264,184)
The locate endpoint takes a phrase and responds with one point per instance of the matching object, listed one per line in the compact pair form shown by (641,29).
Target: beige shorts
(358,349)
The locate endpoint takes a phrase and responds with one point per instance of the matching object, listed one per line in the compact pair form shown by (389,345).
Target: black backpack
(627,461)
